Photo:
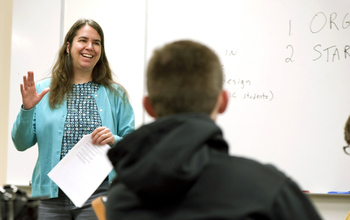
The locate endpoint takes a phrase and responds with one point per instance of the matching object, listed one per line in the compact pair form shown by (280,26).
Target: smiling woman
(80,98)
(85,52)
(84,37)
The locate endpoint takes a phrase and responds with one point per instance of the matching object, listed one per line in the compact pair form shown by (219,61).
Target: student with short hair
(178,167)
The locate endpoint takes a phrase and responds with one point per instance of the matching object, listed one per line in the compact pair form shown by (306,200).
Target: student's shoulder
(252,163)
(250,168)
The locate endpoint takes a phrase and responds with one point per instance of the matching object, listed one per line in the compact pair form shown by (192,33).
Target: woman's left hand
(102,135)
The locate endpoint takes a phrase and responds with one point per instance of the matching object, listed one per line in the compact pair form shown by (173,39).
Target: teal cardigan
(45,126)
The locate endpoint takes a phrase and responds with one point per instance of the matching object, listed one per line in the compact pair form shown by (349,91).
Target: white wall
(35,43)
(36,37)
(5,58)
(37,34)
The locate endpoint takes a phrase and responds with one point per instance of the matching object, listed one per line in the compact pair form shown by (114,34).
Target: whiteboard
(285,63)
(286,66)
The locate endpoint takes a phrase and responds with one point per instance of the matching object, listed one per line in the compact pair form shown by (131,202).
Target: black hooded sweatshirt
(178,167)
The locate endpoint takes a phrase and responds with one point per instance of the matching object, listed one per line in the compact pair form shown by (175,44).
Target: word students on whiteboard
(80,98)
(178,167)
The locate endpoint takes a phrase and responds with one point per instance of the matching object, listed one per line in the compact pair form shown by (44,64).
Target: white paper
(82,170)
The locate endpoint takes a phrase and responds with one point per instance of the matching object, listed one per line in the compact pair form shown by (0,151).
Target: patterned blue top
(82,115)
(116,114)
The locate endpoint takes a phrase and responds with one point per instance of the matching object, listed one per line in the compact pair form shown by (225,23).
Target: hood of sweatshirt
(163,159)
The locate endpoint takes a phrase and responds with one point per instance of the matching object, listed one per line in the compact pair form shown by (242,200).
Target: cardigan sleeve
(118,112)
(126,122)
(23,130)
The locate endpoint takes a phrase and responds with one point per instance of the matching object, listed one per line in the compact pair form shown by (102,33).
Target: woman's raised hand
(30,98)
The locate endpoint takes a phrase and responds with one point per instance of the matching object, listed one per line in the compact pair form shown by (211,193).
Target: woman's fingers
(102,135)
(30,76)
(46,90)
(21,87)
(30,81)
(30,97)
(25,83)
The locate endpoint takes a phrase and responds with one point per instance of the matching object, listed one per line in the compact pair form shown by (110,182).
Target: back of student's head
(182,77)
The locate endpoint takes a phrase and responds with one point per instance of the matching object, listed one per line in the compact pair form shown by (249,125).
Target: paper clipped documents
(82,170)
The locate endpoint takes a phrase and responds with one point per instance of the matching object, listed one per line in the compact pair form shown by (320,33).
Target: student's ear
(148,106)
(67,48)
(223,101)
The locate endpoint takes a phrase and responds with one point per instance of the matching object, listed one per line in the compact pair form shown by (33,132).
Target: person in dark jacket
(178,167)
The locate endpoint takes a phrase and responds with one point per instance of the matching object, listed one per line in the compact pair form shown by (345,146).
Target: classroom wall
(287,102)
(34,46)
(330,207)
(5,58)
(124,44)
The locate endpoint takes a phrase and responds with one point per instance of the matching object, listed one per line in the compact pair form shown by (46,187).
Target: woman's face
(85,50)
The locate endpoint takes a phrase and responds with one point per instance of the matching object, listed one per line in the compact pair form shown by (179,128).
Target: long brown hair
(62,71)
